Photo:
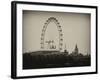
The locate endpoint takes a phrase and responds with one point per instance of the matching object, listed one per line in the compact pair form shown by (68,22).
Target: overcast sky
(75,29)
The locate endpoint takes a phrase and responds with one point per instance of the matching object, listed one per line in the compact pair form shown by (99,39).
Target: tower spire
(76,49)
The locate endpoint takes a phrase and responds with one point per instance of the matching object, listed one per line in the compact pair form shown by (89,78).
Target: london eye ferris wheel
(52,19)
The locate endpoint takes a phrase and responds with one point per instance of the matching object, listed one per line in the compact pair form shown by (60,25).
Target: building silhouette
(75,52)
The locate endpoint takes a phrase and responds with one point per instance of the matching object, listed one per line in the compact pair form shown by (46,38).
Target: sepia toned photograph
(53,39)
(56,39)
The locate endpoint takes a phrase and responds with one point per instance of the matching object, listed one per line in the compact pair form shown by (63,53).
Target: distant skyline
(75,29)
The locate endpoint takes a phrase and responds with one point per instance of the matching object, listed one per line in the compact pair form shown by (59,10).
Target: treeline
(50,60)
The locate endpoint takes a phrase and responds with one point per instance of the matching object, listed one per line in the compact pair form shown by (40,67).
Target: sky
(75,29)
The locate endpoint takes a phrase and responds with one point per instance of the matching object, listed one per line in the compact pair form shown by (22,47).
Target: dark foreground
(53,59)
